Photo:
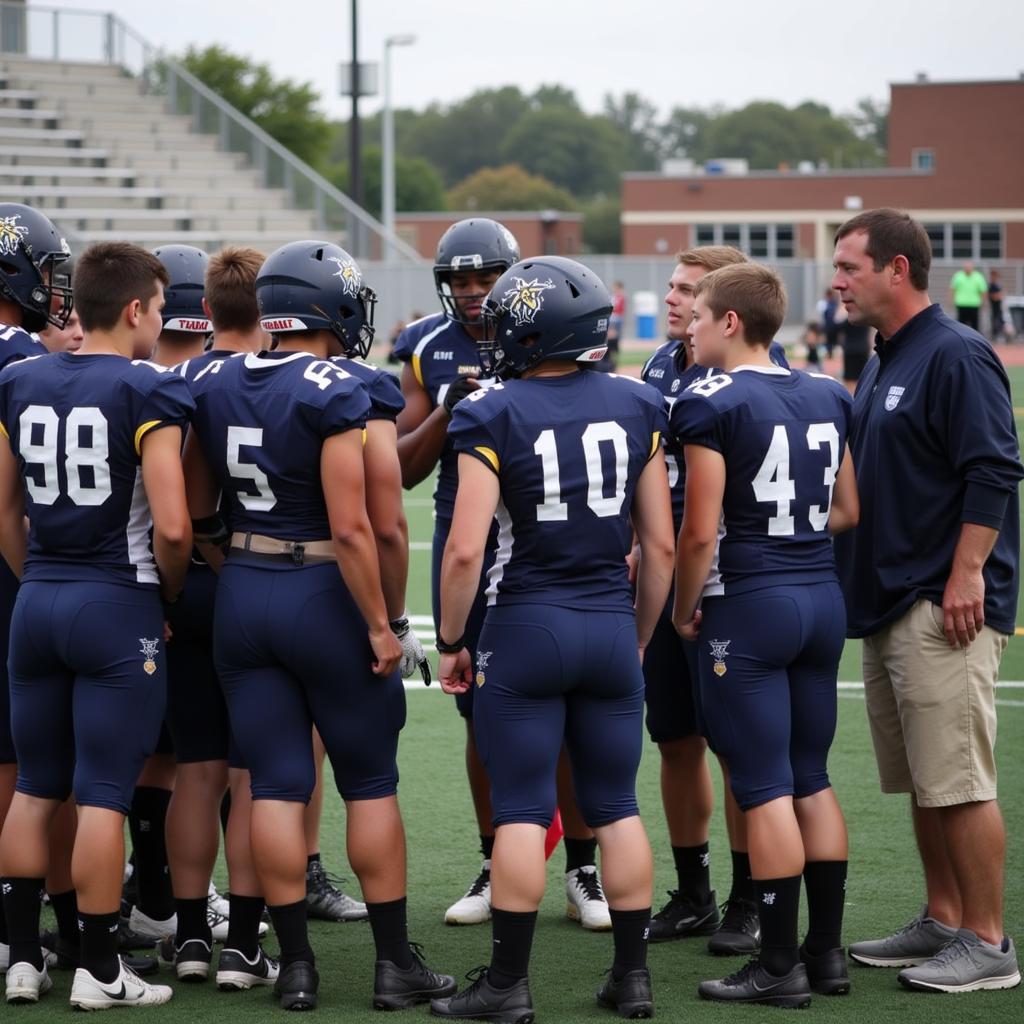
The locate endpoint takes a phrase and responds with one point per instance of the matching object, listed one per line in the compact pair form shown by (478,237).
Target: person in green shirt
(968,289)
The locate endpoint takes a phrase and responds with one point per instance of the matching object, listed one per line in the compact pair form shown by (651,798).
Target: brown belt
(297,551)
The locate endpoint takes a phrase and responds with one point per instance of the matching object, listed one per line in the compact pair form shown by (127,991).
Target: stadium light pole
(388,145)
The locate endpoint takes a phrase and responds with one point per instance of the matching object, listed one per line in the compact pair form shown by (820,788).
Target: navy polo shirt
(934,446)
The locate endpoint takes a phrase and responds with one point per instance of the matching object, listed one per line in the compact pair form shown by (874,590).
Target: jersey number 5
(774,484)
(39,428)
(553,508)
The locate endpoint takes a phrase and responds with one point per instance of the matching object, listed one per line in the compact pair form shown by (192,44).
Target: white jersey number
(39,428)
(773,484)
(553,509)
(249,437)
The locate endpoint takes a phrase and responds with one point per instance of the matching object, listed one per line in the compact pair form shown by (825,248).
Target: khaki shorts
(932,709)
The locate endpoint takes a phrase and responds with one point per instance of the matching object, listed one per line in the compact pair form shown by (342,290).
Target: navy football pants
(291,651)
(88,689)
(672,694)
(770,709)
(546,673)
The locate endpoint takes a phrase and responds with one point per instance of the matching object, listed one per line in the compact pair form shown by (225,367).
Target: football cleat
(190,960)
(152,927)
(297,986)
(827,971)
(237,973)
(48,941)
(630,996)
(217,903)
(683,917)
(25,984)
(739,934)
(475,906)
(396,989)
(481,1001)
(753,984)
(326,902)
(585,900)
(127,989)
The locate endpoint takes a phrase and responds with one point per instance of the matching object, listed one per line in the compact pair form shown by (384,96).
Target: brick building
(548,232)
(956,162)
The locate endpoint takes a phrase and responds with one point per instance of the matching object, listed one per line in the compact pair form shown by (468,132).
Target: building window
(922,159)
(966,241)
(761,241)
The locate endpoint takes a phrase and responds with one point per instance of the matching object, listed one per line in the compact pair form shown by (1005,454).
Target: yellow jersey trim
(655,440)
(417,372)
(489,454)
(141,433)
(3,430)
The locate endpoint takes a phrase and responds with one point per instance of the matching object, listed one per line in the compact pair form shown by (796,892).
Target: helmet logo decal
(526,299)
(351,281)
(11,235)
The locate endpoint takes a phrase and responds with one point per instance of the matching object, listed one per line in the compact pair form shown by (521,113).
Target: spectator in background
(997,329)
(812,339)
(968,289)
(616,324)
(827,308)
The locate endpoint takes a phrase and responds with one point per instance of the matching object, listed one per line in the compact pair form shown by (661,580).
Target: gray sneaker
(966,965)
(913,944)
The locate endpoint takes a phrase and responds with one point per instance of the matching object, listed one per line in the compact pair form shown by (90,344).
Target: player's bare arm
(13,536)
(652,520)
(383,474)
(845,511)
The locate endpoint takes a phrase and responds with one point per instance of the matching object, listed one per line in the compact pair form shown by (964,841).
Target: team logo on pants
(149,650)
(482,659)
(720,651)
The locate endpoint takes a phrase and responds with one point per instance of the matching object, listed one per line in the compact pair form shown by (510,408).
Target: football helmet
(31,251)
(316,286)
(546,308)
(183,297)
(473,244)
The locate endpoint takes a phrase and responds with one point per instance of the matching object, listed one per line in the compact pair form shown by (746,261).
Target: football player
(766,455)
(185,326)
(297,644)
(92,456)
(670,675)
(33,297)
(567,461)
(443,365)
(197,715)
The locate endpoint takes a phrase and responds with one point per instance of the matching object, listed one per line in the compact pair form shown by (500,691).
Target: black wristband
(443,648)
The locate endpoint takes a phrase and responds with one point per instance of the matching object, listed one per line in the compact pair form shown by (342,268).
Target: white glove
(413,656)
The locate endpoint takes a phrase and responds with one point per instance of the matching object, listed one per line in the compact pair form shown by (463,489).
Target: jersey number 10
(553,508)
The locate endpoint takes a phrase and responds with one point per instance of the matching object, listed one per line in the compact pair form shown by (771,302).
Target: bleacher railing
(74,34)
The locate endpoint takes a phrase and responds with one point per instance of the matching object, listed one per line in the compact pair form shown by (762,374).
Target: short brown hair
(110,275)
(753,292)
(711,257)
(230,288)
(893,233)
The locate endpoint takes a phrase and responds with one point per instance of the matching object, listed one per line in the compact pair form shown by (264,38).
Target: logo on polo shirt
(893,398)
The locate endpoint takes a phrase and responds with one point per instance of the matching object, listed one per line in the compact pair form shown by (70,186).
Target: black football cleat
(753,984)
(683,918)
(481,1001)
(396,989)
(739,934)
(297,985)
(827,971)
(630,996)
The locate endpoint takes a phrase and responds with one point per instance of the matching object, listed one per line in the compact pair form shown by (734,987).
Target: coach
(930,577)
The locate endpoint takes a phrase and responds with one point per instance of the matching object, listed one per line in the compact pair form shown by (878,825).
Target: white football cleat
(585,900)
(475,906)
(151,927)
(128,989)
(25,984)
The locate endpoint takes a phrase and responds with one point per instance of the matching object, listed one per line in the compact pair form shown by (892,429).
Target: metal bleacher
(128,145)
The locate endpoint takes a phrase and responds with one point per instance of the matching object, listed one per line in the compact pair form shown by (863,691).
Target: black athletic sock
(4,937)
(825,881)
(225,811)
(65,909)
(244,924)
(693,871)
(487,846)
(778,904)
(579,853)
(21,905)
(390,932)
(742,882)
(192,921)
(153,879)
(292,933)
(99,945)
(629,932)
(512,939)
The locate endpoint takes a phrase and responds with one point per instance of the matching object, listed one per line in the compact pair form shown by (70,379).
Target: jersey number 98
(40,432)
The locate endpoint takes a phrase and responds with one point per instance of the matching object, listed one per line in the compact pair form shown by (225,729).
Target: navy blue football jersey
(664,371)
(386,400)
(17,343)
(568,452)
(199,366)
(261,421)
(782,434)
(439,350)
(76,424)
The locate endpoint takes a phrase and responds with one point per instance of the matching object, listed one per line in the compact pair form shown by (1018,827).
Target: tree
(636,119)
(870,121)
(285,110)
(418,185)
(602,230)
(508,188)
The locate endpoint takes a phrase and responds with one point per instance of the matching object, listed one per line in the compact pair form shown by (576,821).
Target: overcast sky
(687,52)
